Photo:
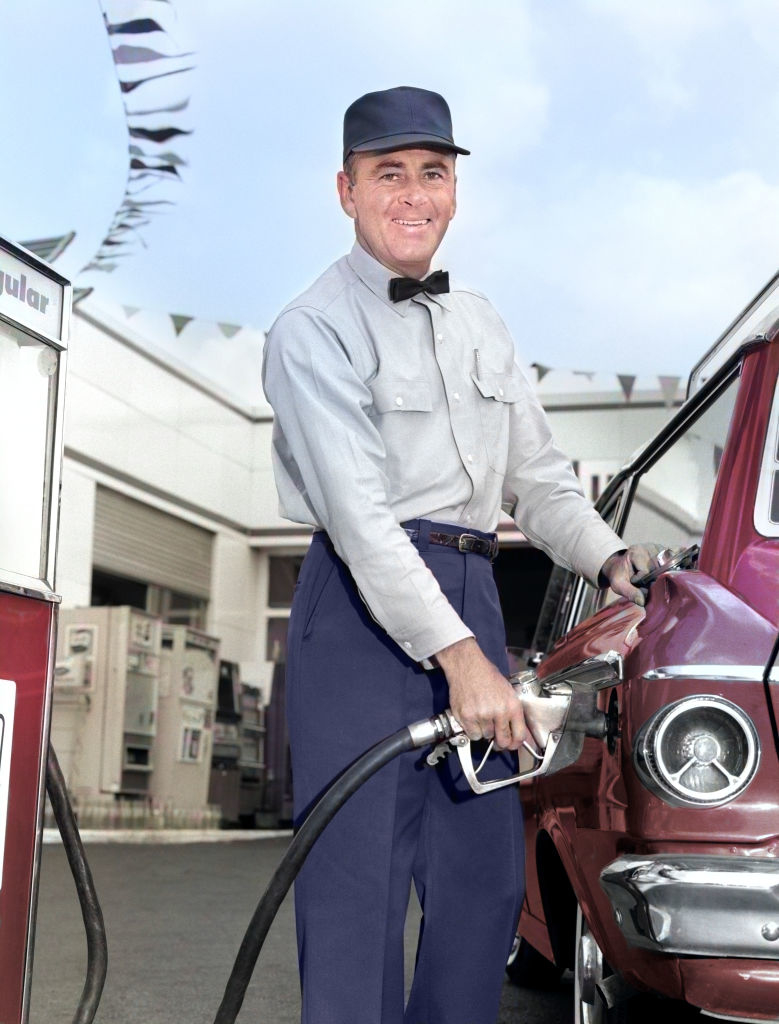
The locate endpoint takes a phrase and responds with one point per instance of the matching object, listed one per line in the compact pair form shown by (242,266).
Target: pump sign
(7,702)
(29,297)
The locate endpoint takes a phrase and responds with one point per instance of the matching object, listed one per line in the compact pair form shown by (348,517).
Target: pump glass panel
(28,379)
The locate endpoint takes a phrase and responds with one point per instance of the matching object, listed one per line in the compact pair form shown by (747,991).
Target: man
(402,423)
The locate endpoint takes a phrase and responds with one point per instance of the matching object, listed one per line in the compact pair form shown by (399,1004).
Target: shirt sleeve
(326,446)
(542,494)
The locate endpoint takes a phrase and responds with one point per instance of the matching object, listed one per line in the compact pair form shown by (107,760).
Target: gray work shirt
(389,411)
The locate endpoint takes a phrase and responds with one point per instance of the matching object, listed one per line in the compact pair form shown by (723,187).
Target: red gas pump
(35,304)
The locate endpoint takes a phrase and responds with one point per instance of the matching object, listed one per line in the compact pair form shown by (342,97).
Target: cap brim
(410,141)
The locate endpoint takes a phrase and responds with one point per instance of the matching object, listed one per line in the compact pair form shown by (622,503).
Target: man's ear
(344,184)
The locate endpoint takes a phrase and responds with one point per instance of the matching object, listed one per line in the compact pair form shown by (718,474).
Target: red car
(653,857)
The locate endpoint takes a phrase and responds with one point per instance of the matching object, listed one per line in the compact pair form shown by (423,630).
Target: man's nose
(412,193)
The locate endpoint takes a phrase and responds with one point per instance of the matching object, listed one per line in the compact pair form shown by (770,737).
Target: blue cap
(400,118)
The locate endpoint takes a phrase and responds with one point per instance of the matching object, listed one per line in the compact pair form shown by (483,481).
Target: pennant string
(145,170)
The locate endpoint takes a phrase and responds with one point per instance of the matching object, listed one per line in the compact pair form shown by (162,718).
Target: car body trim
(724,673)
(696,904)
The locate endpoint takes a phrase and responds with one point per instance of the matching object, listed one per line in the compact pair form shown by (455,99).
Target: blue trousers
(348,686)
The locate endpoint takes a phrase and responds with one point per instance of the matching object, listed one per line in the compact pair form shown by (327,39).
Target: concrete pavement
(175,915)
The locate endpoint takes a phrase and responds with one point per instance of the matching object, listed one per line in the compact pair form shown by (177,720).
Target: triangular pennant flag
(626,381)
(168,156)
(95,265)
(130,310)
(79,294)
(589,374)
(139,165)
(718,453)
(129,86)
(172,158)
(180,322)
(229,330)
(149,202)
(542,371)
(160,110)
(138,25)
(156,134)
(141,54)
(669,386)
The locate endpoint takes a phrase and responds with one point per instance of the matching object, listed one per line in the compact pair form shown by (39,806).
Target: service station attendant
(402,426)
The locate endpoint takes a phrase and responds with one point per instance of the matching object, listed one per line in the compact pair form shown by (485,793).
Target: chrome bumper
(697,905)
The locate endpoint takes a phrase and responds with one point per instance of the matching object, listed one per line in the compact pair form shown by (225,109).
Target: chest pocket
(401,396)
(499,390)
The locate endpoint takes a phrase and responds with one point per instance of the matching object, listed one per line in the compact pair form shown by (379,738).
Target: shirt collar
(376,277)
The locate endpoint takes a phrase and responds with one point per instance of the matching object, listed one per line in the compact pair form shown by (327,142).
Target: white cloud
(655,268)
(662,31)
(762,19)
(661,23)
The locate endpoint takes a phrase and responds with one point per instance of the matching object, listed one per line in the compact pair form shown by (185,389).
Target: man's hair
(349,167)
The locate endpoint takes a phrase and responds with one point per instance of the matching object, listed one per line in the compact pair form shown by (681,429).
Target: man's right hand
(481,698)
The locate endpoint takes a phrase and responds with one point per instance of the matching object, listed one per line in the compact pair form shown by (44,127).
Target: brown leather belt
(486,544)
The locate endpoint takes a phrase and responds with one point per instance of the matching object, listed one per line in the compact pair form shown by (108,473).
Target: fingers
(620,580)
(510,730)
(505,726)
(640,558)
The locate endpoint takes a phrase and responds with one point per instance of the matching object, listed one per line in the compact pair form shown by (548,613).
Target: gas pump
(35,304)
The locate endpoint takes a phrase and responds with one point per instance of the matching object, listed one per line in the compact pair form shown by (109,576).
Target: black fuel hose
(94,926)
(338,793)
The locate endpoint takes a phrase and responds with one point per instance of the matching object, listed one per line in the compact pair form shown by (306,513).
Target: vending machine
(189,681)
(105,700)
(35,304)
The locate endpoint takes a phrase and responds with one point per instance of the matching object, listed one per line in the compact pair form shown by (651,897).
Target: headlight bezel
(650,756)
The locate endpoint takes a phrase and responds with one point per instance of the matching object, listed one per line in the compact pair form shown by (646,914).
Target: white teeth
(410,223)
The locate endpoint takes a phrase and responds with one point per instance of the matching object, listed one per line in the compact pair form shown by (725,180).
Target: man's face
(401,203)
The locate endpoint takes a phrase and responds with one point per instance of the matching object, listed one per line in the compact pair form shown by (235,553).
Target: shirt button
(469,458)
(439,337)
(456,396)
(399,400)
(407,645)
(469,519)
(500,392)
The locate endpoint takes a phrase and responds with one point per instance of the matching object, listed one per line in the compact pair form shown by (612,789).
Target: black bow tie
(407,287)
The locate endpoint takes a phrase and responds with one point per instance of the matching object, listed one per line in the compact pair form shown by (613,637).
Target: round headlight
(700,751)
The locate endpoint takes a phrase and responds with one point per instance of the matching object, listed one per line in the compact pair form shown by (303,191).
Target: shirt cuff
(596,556)
(422,645)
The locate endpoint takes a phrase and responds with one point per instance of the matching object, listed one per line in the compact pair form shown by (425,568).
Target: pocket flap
(401,396)
(503,387)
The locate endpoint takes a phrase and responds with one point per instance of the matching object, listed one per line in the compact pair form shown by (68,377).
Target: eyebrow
(435,162)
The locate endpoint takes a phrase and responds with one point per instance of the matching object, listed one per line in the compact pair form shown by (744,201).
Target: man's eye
(433,174)
(390,176)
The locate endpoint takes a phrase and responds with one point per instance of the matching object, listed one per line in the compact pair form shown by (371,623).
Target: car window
(563,589)
(671,498)
(767,504)
(554,610)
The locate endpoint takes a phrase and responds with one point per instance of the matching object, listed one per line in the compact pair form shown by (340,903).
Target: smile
(411,223)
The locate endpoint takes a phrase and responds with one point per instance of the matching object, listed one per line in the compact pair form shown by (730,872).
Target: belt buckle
(468,542)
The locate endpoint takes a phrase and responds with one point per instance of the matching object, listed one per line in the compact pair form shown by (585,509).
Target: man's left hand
(623,567)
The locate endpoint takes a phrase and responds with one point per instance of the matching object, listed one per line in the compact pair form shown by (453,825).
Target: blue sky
(621,204)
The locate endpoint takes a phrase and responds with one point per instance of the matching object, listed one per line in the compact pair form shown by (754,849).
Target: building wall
(74,552)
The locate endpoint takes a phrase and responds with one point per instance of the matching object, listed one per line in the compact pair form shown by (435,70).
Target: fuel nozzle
(563,700)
